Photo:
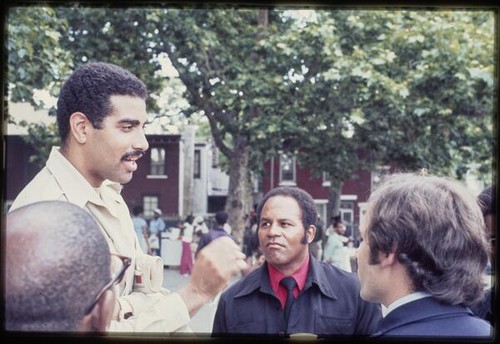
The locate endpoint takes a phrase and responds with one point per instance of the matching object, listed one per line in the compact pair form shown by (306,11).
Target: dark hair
(304,200)
(137,210)
(337,220)
(88,90)
(221,217)
(486,200)
(68,263)
(436,230)
(189,218)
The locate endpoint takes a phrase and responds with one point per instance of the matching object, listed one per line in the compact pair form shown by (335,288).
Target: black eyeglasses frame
(126,262)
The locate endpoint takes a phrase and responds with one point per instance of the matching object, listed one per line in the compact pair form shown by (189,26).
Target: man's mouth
(134,156)
(273,244)
(131,159)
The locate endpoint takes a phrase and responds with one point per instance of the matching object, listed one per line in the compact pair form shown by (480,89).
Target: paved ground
(203,320)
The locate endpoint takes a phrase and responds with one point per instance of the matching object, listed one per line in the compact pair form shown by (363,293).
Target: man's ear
(311,232)
(99,318)
(387,259)
(79,126)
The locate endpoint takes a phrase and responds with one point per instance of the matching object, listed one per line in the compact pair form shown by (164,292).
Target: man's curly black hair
(88,90)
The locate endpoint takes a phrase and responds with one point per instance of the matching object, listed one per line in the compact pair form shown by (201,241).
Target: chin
(124,179)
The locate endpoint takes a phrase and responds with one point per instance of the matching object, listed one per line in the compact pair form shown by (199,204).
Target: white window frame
(149,203)
(292,181)
(326,179)
(157,164)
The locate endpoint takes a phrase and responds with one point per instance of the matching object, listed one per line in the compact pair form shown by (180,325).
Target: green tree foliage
(411,88)
(35,60)
(117,35)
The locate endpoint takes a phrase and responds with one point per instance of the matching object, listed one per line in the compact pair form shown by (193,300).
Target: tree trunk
(238,188)
(333,200)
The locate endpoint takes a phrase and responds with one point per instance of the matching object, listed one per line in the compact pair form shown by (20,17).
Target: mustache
(137,153)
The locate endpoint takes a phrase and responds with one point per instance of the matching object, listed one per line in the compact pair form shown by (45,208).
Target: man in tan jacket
(101,112)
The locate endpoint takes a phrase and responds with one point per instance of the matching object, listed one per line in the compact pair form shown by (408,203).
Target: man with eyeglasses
(57,270)
(101,114)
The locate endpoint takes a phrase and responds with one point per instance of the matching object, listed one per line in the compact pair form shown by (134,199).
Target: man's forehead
(128,109)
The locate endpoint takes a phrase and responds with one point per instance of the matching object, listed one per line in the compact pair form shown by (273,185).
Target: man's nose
(141,143)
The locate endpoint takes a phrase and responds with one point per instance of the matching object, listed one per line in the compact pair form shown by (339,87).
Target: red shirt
(300,277)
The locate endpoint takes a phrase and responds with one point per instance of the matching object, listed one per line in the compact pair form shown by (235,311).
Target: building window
(287,169)
(326,179)
(157,162)
(197,164)
(149,203)
(321,209)
(346,210)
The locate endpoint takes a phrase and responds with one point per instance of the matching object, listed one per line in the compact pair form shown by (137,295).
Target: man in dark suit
(423,256)
(321,299)
(216,232)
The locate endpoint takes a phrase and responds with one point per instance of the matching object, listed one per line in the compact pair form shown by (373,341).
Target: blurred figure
(487,202)
(423,256)
(200,228)
(227,228)
(259,260)
(317,243)
(64,283)
(186,235)
(214,233)
(293,292)
(156,227)
(141,228)
(250,239)
(336,252)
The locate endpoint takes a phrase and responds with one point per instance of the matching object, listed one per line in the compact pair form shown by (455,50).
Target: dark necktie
(289,283)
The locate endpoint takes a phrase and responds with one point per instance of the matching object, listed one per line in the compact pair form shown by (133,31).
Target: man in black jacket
(326,300)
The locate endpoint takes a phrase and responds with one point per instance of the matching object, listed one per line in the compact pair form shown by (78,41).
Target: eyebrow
(134,122)
(278,220)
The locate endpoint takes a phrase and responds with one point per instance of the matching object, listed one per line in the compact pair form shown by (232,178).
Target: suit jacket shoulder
(428,317)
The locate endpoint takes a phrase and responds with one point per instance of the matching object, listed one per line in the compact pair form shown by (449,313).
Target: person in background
(141,228)
(214,233)
(227,228)
(487,202)
(64,284)
(292,292)
(101,115)
(259,260)
(423,256)
(250,239)
(335,252)
(186,235)
(200,228)
(156,227)
(317,243)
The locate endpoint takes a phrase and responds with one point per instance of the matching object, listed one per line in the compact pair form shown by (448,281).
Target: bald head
(56,261)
